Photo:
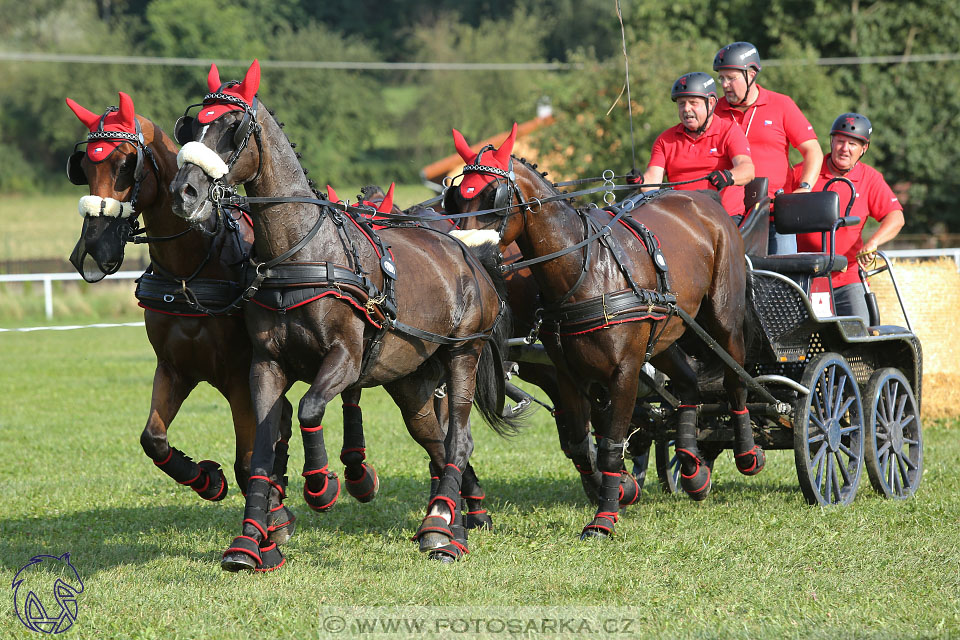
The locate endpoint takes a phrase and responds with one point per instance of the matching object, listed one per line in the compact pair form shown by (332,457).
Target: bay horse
(373,309)
(613,286)
(128,165)
(571,412)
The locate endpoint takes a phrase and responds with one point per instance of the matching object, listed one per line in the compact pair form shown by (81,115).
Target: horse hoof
(236,561)
(364,488)
(479,520)
(282,525)
(751,462)
(434,533)
(215,486)
(271,558)
(593,534)
(442,557)
(326,496)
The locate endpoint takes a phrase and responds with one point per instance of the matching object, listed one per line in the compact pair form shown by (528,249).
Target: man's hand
(720,179)
(867,258)
(634,176)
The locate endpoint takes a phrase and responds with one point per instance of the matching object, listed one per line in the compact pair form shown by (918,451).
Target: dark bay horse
(608,308)
(128,166)
(390,308)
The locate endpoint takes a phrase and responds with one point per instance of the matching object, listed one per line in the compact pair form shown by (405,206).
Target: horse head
(495,184)
(217,153)
(120,165)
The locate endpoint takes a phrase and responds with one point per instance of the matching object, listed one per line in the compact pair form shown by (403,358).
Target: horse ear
(462,147)
(332,195)
(386,206)
(503,153)
(251,82)
(127,114)
(213,78)
(87,117)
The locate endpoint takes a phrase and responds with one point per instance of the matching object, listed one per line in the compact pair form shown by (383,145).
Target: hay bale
(931,295)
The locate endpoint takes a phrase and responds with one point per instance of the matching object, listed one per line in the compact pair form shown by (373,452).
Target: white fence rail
(48,278)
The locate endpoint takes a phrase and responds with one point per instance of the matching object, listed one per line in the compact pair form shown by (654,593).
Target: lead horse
(373,309)
(128,165)
(615,286)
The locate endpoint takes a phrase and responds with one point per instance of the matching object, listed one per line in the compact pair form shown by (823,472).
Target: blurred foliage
(377,126)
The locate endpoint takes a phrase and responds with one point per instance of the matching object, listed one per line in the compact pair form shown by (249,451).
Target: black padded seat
(812,264)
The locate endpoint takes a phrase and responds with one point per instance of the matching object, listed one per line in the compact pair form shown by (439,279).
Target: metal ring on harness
(539,205)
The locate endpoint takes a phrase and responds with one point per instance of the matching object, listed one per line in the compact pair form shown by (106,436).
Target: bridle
(75,171)
(503,198)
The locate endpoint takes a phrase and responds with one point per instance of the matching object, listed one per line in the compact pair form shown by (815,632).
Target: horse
(609,304)
(570,412)
(128,165)
(361,319)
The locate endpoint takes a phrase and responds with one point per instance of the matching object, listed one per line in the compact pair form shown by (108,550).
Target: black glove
(721,179)
(634,176)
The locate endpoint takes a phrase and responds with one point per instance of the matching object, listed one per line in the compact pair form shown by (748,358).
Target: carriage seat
(807,213)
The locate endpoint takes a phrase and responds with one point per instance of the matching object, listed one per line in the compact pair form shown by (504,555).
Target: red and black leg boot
(749,456)
(610,461)
(476,516)
(435,531)
(457,547)
(362,481)
(321,487)
(205,477)
(282,522)
(244,552)
(695,474)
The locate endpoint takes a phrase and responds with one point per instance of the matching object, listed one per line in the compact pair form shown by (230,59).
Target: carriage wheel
(894,444)
(828,432)
(668,464)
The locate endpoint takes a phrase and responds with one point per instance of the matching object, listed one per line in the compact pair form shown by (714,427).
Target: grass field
(752,561)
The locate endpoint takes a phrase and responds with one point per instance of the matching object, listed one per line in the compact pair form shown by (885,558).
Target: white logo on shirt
(767,123)
(713,150)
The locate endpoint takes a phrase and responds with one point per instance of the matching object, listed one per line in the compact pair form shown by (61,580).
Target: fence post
(48,297)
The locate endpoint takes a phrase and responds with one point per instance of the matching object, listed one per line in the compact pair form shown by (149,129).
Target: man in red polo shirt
(772,123)
(849,140)
(701,146)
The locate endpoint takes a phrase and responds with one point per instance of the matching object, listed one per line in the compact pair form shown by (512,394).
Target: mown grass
(752,561)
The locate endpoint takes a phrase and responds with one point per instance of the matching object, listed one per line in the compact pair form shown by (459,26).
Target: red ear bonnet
(245,90)
(474,182)
(386,206)
(123,120)
(332,195)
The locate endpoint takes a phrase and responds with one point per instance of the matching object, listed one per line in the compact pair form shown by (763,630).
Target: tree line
(356,126)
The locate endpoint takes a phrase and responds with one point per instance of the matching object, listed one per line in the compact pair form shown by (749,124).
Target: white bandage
(476,237)
(204,157)
(97,206)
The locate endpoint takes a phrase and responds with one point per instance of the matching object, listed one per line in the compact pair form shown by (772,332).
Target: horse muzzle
(99,251)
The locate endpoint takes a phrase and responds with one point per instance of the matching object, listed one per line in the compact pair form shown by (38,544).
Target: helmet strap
(706,120)
(742,102)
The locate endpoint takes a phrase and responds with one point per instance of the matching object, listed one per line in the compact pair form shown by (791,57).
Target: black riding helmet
(741,56)
(698,85)
(853,125)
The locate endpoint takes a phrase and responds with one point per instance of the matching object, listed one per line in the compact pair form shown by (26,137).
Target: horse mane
(299,156)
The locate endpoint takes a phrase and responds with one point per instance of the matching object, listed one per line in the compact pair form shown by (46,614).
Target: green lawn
(752,561)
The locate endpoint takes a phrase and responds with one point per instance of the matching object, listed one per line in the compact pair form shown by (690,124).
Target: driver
(849,141)
(772,123)
(702,146)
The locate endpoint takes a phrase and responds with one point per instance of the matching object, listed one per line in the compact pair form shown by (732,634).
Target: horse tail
(489,397)
(753,336)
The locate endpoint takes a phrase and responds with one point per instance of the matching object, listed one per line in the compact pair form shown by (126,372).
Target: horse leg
(362,481)
(611,422)
(695,474)
(442,532)
(282,521)
(253,549)
(170,389)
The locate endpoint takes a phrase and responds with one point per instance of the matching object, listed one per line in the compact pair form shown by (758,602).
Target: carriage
(843,394)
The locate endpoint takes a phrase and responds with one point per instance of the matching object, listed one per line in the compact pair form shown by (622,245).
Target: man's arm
(653,175)
(743,170)
(889,228)
(812,161)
